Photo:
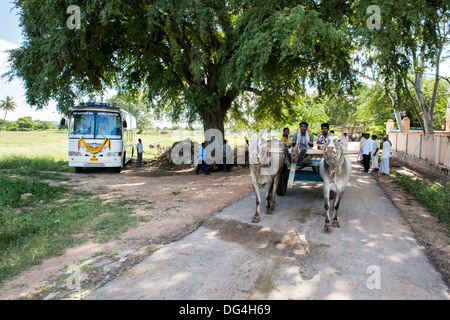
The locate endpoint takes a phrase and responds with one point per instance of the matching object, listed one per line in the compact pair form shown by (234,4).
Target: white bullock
(335,172)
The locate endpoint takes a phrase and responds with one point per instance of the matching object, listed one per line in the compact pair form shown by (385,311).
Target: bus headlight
(74,154)
(112,154)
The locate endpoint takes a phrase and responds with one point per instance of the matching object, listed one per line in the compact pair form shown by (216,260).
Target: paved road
(287,255)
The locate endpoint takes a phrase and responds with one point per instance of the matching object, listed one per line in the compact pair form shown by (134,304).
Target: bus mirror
(124,123)
(63,122)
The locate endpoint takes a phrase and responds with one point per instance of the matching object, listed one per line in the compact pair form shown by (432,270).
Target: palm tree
(7,105)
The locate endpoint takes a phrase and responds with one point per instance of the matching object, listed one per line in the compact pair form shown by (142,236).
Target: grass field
(53,144)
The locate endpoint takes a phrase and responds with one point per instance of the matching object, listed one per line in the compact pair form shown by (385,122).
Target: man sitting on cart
(322,138)
(305,141)
(301,141)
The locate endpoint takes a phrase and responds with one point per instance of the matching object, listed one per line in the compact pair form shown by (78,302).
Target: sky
(11,37)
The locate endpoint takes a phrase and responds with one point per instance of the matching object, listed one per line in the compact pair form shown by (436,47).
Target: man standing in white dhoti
(375,152)
(385,155)
(361,144)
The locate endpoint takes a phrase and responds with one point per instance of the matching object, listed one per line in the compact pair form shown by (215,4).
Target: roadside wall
(427,153)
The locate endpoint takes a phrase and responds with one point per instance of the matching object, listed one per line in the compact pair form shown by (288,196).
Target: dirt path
(175,201)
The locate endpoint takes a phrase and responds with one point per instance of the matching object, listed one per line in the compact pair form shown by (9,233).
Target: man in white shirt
(344,140)
(140,151)
(375,152)
(367,149)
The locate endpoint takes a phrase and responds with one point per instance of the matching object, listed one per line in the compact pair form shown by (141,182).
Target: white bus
(100,135)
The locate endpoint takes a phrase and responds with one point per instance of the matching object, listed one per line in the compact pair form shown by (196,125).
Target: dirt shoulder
(175,203)
(425,226)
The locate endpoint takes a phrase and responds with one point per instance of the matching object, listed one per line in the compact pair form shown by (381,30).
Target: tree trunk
(394,99)
(426,112)
(213,118)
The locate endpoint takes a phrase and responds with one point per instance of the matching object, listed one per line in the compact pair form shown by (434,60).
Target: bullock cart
(304,168)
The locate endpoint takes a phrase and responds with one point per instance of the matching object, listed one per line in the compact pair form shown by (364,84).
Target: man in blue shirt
(306,138)
(202,160)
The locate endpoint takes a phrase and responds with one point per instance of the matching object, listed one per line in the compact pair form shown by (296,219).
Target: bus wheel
(78,169)
(124,159)
(117,169)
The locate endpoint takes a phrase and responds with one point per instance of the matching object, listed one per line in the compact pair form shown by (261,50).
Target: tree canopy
(191,59)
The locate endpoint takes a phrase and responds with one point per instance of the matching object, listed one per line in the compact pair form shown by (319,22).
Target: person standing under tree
(202,160)
(227,156)
(140,151)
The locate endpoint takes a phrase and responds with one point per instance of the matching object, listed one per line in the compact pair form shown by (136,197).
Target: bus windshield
(95,125)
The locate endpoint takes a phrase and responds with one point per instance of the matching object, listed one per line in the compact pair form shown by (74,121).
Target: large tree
(192,59)
(409,39)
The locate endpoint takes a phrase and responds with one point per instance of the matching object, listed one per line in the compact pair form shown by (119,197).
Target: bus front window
(108,125)
(82,124)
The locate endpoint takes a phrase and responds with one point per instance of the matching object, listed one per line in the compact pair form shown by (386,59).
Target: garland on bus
(94,150)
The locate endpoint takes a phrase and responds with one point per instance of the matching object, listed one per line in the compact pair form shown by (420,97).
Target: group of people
(370,151)
(306,140)
(226,153)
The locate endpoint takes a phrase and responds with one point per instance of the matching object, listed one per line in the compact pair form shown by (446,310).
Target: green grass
(47,144)
(50,218)
(435,197)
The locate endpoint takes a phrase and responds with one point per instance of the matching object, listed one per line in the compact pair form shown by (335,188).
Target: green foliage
(26,124)
(411,38)
(136,106)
